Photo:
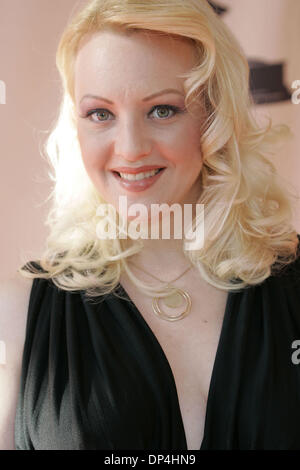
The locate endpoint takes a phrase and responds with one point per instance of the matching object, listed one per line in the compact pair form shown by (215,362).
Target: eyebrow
(148,98)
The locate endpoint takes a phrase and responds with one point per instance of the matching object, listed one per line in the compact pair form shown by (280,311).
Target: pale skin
(125,70)
(140,67)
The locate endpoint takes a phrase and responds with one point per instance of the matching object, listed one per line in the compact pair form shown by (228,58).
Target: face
(121,125)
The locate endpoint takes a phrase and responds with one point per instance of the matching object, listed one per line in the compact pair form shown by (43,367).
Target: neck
(164,259)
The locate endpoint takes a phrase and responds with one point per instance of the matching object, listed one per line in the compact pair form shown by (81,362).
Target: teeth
(138,176)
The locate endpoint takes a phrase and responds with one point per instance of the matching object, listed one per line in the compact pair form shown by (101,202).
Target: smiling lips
(141,169)
(139,184)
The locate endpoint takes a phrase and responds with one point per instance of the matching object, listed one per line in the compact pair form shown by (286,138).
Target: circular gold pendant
(173,300)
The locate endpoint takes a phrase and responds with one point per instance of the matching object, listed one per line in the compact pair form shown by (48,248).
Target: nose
(131,143)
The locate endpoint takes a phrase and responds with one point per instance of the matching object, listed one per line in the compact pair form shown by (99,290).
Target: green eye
(100,112)
(97,112)
(164,108)
(163,111)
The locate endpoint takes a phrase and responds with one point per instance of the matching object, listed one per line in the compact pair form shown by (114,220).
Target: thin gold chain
(154,277)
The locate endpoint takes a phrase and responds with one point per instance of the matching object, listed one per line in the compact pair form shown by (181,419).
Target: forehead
(112,58)
(107,44)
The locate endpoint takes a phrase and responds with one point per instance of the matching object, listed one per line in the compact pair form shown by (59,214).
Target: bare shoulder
(14,303)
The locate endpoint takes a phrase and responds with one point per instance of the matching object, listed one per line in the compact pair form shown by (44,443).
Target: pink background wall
(29,34)
(269,30)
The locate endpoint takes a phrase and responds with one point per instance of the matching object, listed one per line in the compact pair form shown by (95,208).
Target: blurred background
(268,31)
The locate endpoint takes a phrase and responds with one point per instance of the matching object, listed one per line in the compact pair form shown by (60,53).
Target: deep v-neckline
(168,366)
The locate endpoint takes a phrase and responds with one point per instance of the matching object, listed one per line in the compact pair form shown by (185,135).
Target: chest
(190,347)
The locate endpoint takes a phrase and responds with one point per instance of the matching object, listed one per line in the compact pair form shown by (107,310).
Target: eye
(97,112)
(165,107)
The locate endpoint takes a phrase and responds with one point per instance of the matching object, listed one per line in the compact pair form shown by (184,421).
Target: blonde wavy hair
(247,211)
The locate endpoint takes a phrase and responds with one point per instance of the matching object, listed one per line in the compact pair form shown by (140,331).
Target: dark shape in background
(218,8)
(266,80)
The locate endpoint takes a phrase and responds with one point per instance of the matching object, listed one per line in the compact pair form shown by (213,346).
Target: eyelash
(175,110)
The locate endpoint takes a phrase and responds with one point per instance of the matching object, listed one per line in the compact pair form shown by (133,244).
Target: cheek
(91,153)
(187,144)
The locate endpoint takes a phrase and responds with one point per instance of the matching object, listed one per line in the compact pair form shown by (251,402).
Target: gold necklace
(173,300)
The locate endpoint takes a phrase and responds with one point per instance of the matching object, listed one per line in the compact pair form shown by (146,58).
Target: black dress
(96,377)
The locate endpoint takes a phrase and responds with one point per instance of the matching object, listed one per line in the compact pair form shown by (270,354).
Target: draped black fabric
(94,376)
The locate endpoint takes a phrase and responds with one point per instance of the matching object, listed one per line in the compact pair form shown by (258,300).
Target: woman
(145,343)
